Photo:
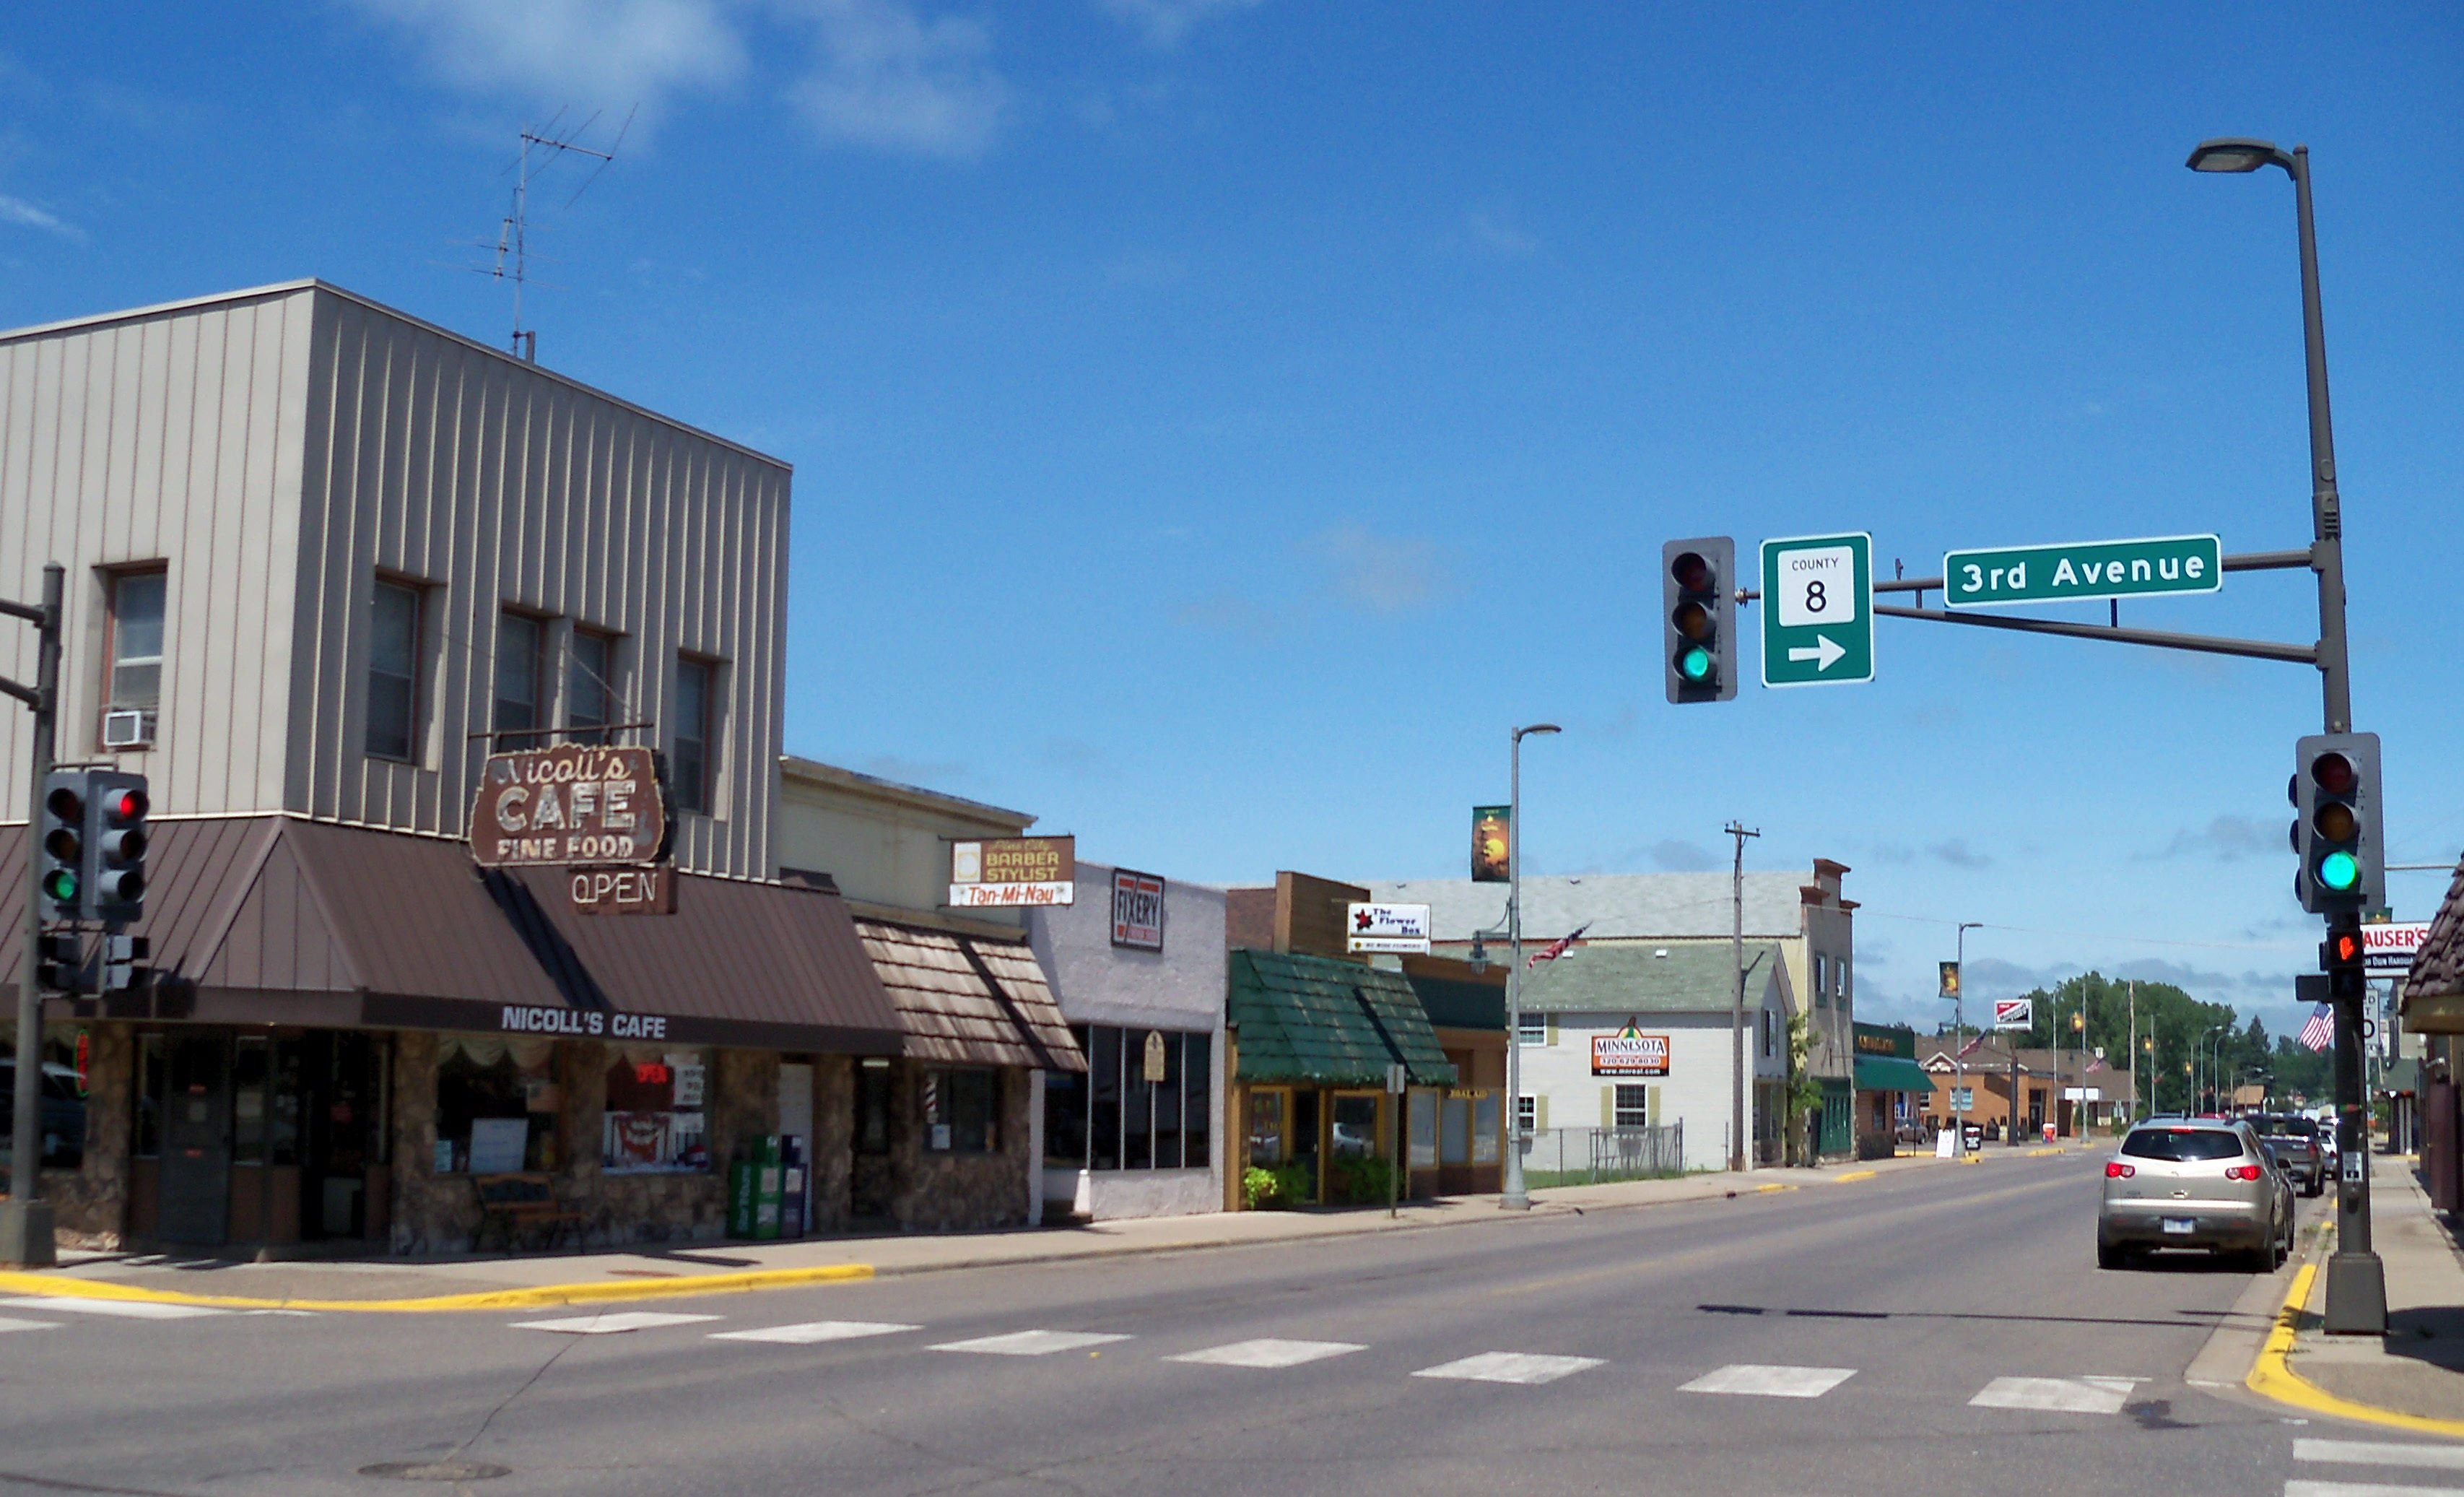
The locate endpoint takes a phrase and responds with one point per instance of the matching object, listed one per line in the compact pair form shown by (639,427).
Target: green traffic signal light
(60,886)
(2339,871)
(1694,663)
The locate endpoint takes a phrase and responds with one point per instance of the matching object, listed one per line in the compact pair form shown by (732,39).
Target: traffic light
(2337,824)
(61,962)
(61,879)
(1698,597)
(2341,956)
(115,843)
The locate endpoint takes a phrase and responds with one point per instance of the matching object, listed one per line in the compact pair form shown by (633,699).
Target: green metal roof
(1641,977)
(1320,1021)
(1462,1005)
(1890,1073)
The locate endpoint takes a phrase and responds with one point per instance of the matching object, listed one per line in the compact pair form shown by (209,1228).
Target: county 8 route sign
(1818,610)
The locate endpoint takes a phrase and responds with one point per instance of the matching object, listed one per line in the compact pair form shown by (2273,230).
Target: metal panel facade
(277,450)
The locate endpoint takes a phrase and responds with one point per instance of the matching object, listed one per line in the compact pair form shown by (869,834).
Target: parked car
(2198,1183)
(2294,1143)
(63,1111)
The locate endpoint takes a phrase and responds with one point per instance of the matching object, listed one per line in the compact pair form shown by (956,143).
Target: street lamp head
(1538,727)
(2236,154)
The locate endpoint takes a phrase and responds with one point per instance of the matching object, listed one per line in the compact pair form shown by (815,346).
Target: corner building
(321,557)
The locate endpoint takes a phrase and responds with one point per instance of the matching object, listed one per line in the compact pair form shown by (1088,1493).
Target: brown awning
(969,998)
(277,920)
(2434,991)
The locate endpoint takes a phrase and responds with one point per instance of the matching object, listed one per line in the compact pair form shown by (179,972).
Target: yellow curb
(1853,1176)
(1766,1190)
(534,1298)
(2038,1153)
(2272,1375)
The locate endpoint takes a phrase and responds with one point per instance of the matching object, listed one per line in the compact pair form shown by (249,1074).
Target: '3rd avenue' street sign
(2082,569)
(1818,610)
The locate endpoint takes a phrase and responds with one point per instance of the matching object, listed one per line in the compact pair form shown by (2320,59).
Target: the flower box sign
(1628,1054)
(573,803)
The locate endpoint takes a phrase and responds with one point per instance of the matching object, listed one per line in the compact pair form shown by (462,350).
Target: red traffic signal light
(2345,948)
(127,804)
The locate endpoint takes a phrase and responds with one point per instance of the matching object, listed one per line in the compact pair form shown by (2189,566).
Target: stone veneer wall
(831,1183)
(90,1203)
(960,1192)
(436,1213)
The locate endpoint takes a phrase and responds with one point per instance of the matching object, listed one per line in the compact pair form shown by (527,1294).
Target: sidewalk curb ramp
(2272,1376)
(535,1297)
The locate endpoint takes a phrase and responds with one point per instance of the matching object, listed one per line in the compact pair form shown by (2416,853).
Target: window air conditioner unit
(127,728)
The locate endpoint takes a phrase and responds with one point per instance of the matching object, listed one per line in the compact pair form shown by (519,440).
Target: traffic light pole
(25,1219)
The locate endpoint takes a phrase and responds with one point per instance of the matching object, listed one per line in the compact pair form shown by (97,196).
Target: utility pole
(1512,1195)
(1737,999)
(2132,1050)
(1959,1050)
(25,1218)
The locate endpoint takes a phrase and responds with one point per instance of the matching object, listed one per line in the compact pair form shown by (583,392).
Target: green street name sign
(1818,610)
(2082,569)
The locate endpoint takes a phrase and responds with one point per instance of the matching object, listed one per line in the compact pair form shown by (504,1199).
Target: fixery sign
(568,805)
(1137,910)
(1013,871)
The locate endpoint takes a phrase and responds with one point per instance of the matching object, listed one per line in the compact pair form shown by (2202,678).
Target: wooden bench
(515,1204)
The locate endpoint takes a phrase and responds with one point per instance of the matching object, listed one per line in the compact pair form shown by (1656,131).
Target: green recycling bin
(769,1178)
(740,1196)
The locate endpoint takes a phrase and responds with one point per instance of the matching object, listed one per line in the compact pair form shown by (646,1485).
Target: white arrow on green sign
(1818,610)
(2081,570)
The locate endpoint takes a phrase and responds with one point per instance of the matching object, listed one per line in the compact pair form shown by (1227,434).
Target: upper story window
(590,685)
(1821,981)
(1533,1028)
(697,721)
(393,670)
(136,638)
(518,681)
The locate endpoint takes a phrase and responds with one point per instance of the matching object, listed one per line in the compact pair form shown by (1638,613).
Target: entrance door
(796,1121)
(196,1197)
(872,1183)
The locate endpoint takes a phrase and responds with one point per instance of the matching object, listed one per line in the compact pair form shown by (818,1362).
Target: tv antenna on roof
(512,234)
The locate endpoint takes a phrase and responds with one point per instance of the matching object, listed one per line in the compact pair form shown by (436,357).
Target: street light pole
(25,1216)
(1737,1000)
(2355,1278)
(1514,1196)
(1959,1050)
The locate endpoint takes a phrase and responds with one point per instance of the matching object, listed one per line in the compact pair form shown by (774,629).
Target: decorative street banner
(1013,871)
(1402,929)
(1137,910)
(2082,569)
(572,803)
(1490,840)
(1949,979)
(2015,1013)
(1628,1054)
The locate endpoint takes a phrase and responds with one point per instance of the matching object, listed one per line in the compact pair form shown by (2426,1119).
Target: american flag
(1556,948)
(1973,1043)
(2321,1031)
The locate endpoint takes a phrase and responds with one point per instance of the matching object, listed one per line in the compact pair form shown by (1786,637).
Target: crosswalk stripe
(7,1323)
(1527,1367)
(125,1310)
(1766,1382)
(2057,1395)
(611,1322)
(2372,1452)
(1268,1352)
(812,1331)
(2361,1489)
(1032,1343)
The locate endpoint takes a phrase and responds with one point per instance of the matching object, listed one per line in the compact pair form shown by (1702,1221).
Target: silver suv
(2195,1182)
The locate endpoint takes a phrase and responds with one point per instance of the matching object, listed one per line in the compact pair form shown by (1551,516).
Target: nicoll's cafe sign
(598,811)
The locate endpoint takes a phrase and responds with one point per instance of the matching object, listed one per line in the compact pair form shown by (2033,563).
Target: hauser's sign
(2391,947)
(1137,910)
(572,803)
(1013,871)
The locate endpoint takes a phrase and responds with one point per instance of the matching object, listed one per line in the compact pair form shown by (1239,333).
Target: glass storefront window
(1355,1127)
(145,1139)
(498,1101)
(1064,1115)
(1124,1115)
(1104,1086)
(659,1112)
(1454,1130)
(1197,1134)
(1424,1131)
(63,1095)
(1266,1129)
(1484,1128)
(959,1108)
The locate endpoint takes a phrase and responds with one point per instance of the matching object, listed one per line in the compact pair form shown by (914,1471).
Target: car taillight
(2116,1170)
(2241,1172)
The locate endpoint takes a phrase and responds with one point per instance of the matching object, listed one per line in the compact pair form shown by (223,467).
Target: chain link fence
(1589,1155)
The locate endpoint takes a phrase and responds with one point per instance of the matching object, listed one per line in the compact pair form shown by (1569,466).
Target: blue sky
(1214,422)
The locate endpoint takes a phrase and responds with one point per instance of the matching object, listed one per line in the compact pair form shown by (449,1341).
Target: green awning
(1316,1021)
(1890,1073)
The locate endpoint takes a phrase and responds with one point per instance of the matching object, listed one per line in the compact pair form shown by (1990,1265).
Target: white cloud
(1383,574)
(591,53)
(1959,854)
(2226,839)
(1493,231)
(1166,23)
(19,212)
(889,79)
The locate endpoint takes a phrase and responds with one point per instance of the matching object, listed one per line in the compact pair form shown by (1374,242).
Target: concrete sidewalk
(2418,1368)
(401,1279)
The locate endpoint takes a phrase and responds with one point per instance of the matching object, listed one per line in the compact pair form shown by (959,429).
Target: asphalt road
(1923,1288)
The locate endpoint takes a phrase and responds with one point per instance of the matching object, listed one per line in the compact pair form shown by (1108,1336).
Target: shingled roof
(1321,1022)
(2438,967)
(970,1000)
